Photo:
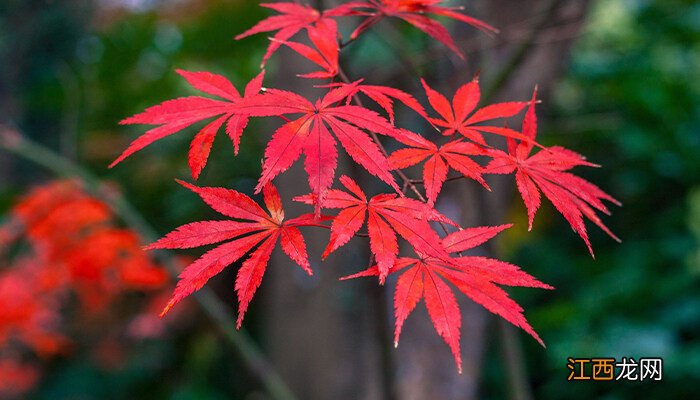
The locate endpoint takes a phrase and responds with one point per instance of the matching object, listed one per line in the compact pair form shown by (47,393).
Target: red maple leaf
(571,195)
(175,115)
(386,215)
(477,277)
(324,36)
(311,134)
(455,154)
(415,13)
(382,95)
(294,18)
(456,117)
(250,226)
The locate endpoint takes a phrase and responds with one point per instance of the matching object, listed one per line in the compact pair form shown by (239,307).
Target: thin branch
(252,357)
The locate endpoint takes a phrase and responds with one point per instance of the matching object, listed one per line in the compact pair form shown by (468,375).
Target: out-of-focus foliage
(64,270)
(631,102)
(71,70)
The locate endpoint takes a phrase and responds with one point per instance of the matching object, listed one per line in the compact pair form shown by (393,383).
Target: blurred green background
(629,100)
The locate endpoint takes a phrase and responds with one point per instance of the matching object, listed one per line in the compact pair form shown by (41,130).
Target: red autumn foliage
(456,117)
(74,233)
(16,378)
(175,115)
(387,215)
(416,12)
(263,228)
(476,277)
(294,18)
(29,307)
(314,128)
(60,242)
(384,96)
(572,196)
(324,36)
(456,154)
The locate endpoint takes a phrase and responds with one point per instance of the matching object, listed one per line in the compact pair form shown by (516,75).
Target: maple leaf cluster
(60,243)
(75,233)
(318,128)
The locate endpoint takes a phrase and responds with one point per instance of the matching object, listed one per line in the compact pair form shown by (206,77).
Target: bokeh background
(620,83)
